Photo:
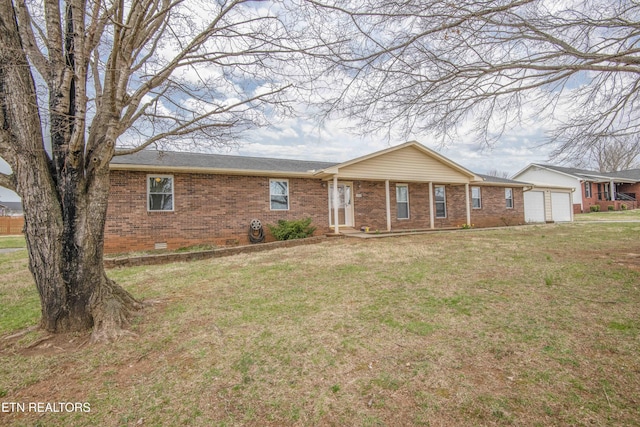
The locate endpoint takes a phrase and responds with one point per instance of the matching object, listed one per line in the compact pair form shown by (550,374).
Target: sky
(302,139)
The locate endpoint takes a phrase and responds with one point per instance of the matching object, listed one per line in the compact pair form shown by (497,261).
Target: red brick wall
(217,209)
(370,207)
(208,209)
(494,211)
(587,202)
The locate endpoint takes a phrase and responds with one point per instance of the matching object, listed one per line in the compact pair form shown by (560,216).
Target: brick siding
(217,209)
(494,211)
(208,209)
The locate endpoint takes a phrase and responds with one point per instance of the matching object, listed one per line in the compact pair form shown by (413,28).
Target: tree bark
(65,204)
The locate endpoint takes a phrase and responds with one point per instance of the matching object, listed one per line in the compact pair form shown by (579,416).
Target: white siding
(536,175)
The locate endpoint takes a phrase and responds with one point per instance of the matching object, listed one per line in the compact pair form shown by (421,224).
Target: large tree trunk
(65,201)
(65,245)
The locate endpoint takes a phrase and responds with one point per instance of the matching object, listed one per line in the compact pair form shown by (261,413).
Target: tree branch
(8,181)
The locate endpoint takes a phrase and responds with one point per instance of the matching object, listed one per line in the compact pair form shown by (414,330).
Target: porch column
(612,189)
(386,187)
(466,199)
(432,223)
(336,227)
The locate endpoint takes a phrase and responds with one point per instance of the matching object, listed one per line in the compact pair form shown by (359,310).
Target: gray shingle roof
(15,207)
(498,180)
(572,171)
(218,161)
(628,174)
(631,174)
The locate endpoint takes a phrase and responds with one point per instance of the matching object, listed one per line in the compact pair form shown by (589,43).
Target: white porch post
(432,223)
(386,187)
(466,198)
(612,189)
(336,227)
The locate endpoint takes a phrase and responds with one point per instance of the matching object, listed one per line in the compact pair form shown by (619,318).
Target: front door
(345,205)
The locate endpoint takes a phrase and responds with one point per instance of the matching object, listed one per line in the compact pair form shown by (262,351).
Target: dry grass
(630,215)
(523,326)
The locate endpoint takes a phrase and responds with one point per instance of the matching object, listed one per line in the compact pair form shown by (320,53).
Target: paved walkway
(7,250)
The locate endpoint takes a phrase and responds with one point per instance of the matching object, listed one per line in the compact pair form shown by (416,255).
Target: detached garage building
(548,204)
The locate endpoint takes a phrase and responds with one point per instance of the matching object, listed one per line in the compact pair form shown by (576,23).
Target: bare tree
(116,76)
(611,155)
(499,174)
(435,65)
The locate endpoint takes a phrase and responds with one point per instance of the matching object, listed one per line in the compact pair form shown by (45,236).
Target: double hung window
(160,193)
(279,194)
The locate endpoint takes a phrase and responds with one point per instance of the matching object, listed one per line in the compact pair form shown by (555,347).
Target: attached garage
(561,208)
(534,206)
(548,205)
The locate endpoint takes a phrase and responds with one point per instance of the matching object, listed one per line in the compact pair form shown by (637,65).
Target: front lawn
(629,215)
(535,325)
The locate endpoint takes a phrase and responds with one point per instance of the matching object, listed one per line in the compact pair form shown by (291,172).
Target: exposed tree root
(112,308)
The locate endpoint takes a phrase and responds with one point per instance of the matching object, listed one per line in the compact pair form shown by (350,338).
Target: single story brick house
(171,200)
(590,188)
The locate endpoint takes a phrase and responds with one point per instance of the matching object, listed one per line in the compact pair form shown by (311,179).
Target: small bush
(623,207)
(289,230)
(611,208)
(594,208)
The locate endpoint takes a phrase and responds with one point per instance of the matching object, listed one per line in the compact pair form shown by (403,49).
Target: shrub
(610,208)
(294,229)
(623,207)
(594,208)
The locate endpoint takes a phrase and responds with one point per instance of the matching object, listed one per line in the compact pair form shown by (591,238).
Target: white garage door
(560,207)
(534,206)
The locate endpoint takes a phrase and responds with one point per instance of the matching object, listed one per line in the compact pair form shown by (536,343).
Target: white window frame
(173,198)
(587,189)
(404,201)
(271,194)
(473,198)
(507,199)
(444,201)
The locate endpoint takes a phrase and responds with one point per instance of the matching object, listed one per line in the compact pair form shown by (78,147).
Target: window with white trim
(402,201)
(279,194)
(587,189)
(160,192)
(508,197)
(476,198)
(441,201)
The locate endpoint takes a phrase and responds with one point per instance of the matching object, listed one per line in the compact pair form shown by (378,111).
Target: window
(476,200)
(508,197)
(402,201)
(441,202)
(587,190)
(279,194)
(160,192)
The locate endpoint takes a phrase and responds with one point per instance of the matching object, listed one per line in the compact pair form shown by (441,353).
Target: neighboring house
(589,187)
(170,200)
(10,208)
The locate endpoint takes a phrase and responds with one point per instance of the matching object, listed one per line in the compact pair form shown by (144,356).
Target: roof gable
(406,162)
